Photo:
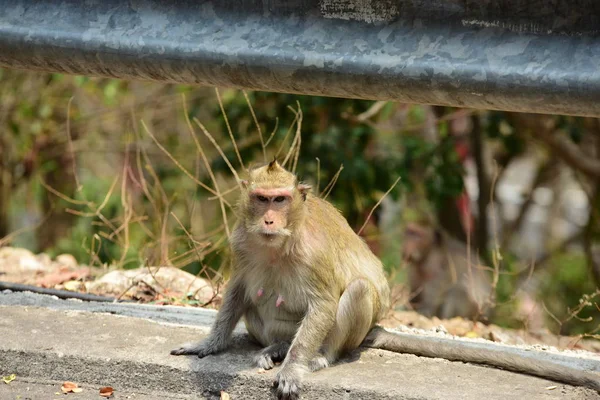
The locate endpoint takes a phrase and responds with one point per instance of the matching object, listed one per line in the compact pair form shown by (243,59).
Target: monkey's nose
(268,222)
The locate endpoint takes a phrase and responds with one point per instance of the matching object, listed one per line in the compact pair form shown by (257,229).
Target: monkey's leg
(234,305)
(353,321)
(256,326)
(267,357)
(457,304)
(317,323)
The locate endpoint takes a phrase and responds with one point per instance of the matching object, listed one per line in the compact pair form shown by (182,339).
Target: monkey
(445,281)
(309,290)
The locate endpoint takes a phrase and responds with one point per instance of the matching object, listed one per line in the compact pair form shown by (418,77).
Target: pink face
(270,208)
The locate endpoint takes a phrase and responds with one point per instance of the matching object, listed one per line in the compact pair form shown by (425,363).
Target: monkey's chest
(278,307)
(271,321)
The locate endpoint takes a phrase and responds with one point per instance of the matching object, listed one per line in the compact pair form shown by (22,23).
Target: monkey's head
(418,240)
(272,203)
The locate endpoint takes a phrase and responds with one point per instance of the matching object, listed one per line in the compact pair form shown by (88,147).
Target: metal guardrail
(520,55)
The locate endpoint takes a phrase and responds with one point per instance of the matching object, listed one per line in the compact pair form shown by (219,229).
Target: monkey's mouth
(411,258)
(272,235)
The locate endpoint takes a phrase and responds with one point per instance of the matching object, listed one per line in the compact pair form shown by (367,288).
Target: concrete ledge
(52,340)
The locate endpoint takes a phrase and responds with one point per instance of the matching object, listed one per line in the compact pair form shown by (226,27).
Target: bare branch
(377,205)
(331,183)
(178,164)
(216,145)
(237,151)
(560,145)
(222,201)
(262,143)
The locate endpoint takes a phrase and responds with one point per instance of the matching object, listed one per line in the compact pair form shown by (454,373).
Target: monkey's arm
(234,306)
(317,323)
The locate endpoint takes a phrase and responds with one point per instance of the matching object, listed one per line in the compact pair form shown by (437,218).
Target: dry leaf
(70,387)
(471,335)
(225,395)
(8,379)
(106,391)
(53,279)
(551,387)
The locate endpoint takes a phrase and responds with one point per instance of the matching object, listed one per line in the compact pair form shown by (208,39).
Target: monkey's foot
(201,349)
(187,349)
(268,356)
(288,383)
(318,363)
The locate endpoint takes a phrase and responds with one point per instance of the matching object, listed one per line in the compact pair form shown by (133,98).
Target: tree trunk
(483,200)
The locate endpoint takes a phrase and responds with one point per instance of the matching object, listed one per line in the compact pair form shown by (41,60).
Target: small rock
(14,260)
(440,328)
(170,278)
(67,260)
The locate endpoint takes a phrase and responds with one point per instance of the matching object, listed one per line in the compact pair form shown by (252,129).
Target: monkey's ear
(303,188)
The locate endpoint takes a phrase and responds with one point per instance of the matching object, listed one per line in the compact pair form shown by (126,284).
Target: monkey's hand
(201,349)
(288,382)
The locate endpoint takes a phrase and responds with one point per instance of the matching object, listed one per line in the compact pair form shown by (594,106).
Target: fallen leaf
(8,379)
(70,387)
(56,278)
(551,387)
(106,391)
(471,335)
(225,395)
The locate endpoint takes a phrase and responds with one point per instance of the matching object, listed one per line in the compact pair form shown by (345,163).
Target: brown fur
(308,288)
(445,282)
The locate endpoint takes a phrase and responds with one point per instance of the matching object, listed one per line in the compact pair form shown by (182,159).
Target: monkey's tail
(474,352)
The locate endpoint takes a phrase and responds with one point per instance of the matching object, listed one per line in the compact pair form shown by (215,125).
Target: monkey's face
(269,212)
(416,244)
(272,204)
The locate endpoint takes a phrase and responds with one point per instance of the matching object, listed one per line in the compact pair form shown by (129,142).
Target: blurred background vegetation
(80,173)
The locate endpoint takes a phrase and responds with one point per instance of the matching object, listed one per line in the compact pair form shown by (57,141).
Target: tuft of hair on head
(273,165)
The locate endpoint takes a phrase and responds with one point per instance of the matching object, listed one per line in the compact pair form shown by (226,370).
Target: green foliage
(562,289)
(437,166)
(573,125)
(500,128)
(510,275)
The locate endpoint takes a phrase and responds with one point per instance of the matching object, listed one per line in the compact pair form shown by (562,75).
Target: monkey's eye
(279,199)
(262,199)
(412,234)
